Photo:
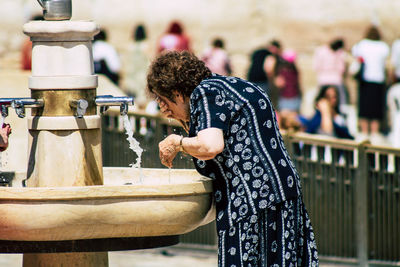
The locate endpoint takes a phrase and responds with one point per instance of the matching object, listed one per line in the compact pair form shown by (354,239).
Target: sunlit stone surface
(157,206)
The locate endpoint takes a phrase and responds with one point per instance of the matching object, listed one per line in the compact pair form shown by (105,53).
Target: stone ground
(160,257)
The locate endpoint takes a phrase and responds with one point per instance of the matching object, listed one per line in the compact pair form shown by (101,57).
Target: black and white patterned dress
(261,218)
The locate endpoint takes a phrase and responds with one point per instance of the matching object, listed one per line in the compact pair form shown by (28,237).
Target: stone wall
(243,24)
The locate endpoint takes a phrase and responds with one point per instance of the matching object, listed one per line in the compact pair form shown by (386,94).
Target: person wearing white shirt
(371,104)
(105,57)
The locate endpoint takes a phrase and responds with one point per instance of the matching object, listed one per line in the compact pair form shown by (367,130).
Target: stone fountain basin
(165,203)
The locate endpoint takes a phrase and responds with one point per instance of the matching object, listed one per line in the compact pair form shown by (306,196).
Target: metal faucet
(4,111)
(80,105)
(19,104)
(5,103)
(105,101)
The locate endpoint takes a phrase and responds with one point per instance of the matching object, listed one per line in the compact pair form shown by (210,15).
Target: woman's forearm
(326,124)
(206,145)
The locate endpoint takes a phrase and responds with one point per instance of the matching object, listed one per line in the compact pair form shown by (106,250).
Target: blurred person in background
(373,52)
(287,82)
(393,104)
(329,63)
(271,67)
(327,119)
(290,121)
(217,59)
(233,139)
(174,39)
(137,62)
(395,62)
(105,57)
(256,73)
(5,132)
(26,49)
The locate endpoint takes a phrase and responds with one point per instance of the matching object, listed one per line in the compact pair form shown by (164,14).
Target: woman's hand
(164,108)
(279,81)
(169,147)
(324,107)
(4,133)
(205,146)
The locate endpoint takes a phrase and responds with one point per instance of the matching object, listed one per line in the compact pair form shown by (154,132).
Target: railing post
(286,136)
(361,206)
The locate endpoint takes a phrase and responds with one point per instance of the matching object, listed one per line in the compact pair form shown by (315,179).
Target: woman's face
(178,110)
(332,96)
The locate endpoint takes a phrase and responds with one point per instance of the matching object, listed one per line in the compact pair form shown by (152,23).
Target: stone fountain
(69,210)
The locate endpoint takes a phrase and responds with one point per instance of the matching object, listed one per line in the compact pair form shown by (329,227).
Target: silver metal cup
(56,9)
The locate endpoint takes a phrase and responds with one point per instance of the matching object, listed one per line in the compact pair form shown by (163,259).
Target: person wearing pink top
(217,59)
(329,63)
(174,39)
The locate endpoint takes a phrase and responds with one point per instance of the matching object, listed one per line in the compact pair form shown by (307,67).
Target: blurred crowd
(372,63)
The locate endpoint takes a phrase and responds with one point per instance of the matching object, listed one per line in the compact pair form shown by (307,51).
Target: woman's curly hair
(176,71)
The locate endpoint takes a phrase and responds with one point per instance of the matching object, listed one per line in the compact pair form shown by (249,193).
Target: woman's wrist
(181,148)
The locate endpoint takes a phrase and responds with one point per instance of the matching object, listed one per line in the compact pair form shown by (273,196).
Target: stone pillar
(63,150)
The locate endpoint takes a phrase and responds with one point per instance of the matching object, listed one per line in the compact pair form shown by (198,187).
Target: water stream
(134,145)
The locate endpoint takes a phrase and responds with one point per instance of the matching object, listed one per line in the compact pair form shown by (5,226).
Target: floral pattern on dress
(253,177)
(280,236)
(254,171)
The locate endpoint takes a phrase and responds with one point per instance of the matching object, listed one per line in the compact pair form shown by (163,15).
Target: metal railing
(351,189)
(383,195)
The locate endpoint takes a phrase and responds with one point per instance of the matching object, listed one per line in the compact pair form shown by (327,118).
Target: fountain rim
(103,192)
(198,185)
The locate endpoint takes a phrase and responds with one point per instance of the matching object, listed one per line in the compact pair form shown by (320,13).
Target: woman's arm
(206,145)
(4,133)
(326,116)
(269,66)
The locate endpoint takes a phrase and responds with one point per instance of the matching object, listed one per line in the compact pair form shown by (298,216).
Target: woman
(216,58)
(234,139)
(287,81)
(327,119)
(174,39)
(329,63)
(5,131)
(371,103)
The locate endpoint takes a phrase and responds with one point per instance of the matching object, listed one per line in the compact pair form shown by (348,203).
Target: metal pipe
(105,101)
(8,101)
(20,104)
(5,103)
